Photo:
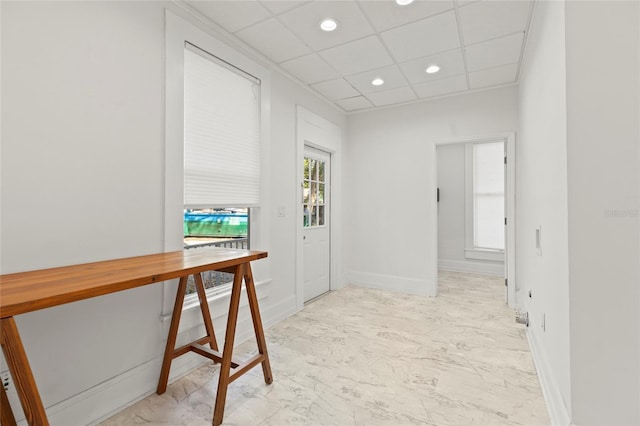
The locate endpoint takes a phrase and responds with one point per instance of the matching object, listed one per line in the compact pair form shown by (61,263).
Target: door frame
(510,207)
(309,124)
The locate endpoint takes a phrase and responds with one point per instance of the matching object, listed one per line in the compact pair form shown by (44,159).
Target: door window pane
(305,192)
(314,192)
(305,218)
(313,175)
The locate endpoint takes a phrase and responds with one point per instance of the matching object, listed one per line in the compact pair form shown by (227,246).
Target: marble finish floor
(360,356)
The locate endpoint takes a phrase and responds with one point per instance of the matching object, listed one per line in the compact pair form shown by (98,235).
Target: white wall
(286,193)
(541,200)
(82,176)
(602,40)
(390,194)
(451,212)
(82,180)
(577,177)
(452,175)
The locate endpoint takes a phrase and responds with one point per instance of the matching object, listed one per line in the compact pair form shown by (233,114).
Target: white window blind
(221,133)
(488,195)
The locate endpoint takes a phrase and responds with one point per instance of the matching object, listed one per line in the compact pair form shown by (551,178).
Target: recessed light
(432,69)
(328,24)
(404,2)
(377,82)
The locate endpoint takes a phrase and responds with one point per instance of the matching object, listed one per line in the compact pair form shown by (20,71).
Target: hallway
(360,356)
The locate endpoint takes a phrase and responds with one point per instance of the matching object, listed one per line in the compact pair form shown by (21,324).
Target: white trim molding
(484,254)
(550,391)
(395,283)
(474,267)
(178,31)
(317,132)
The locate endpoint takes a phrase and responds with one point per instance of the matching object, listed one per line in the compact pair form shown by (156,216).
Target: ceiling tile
(450,63)
(485,20)
(441,87)
(395,96)
(336,89)
(231,15)
(275,41)
(378,38)
(357,56)
(392,77)
(387,14)
(426,37)
(310,69)
(493,76)
(493,53)
(280,6)
(357,102)
(305,22)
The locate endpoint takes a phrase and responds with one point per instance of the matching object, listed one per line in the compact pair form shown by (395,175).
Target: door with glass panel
(316,202)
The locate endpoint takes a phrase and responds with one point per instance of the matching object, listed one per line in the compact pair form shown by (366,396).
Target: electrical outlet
(544,322)
(6,379)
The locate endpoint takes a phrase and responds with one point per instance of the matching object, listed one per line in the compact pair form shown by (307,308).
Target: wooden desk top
(29,291)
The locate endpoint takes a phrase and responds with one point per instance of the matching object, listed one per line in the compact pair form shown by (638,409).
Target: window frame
(471,251)
(179,31)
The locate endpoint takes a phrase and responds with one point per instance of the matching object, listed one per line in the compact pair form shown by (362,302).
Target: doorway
(318,247)
(316,222)
(474,209)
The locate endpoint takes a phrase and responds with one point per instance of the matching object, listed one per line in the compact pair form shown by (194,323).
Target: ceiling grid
(477,44)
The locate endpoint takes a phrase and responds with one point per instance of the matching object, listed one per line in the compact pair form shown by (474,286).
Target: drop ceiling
(476,44)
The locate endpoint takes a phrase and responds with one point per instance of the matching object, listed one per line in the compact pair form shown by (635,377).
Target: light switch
(281,211)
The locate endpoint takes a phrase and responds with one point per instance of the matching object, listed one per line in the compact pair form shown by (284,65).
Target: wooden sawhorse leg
(241,272)
(6,414)
(22,375)
(257,324)
(170,351)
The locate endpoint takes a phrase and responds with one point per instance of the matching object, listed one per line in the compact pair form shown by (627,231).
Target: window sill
(218,301)
(484,254)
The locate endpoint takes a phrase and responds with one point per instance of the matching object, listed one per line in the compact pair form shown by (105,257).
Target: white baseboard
(417,286)
(280,311)
(100,402)
(551,392)
(471,266)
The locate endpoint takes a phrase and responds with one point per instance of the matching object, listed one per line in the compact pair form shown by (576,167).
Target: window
(216,228)
(485,199)
(221,155)
(227,228)
(314,191)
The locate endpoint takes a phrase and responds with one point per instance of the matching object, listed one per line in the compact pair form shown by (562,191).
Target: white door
(316,202)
